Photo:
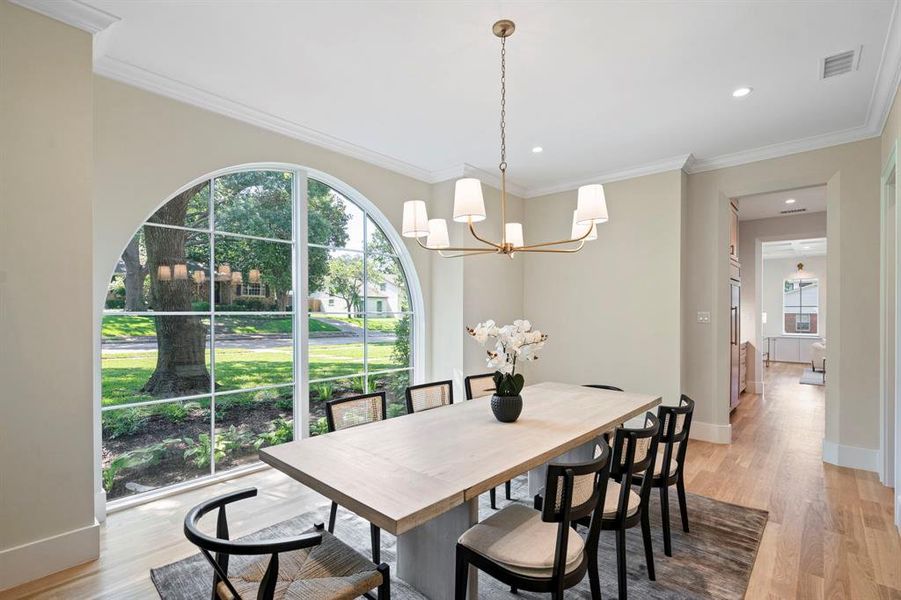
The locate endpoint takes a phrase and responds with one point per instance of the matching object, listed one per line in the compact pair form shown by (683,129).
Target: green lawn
(123,373)
(382,324)
(126,326)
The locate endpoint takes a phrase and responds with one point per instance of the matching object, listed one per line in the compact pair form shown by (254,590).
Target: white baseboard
(100,506)
(756,387)
(866,459)
(34,560)
(711,432)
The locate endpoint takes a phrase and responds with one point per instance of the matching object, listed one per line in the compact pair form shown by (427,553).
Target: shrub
(358,384)
(117,423)
(324,390)
(176,412)
(280,431)
(200,306)
(319,427)
(115,303)
(396,410)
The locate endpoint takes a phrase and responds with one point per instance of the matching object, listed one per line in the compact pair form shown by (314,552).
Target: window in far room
(800,306)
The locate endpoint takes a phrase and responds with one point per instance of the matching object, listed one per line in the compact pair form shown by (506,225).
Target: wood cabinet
(733,232)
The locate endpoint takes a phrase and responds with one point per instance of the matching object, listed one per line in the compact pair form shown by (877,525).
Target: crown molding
(71,12)
(127,73)
(93,20)
(888,77)
(676,163)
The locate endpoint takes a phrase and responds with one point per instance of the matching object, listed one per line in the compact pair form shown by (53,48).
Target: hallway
(830,531)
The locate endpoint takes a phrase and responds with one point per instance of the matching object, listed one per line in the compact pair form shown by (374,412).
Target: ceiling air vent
(839,64)
(792,211)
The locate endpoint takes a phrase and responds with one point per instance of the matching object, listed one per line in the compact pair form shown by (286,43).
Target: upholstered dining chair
(478,386)
(634,452)
(670,463)
(353,411)
(536,550)
(314,565)
(426,396)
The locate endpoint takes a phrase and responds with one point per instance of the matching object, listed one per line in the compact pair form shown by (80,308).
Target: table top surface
(402,472)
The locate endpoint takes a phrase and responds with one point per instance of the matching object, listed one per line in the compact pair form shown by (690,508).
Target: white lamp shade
(592,206)
(468,202)
(180,272)
(416,219)
(514,234)
(164,273)
(579,229)
(438,237)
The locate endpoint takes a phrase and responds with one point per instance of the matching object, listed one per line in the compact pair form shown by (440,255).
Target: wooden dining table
(419,476)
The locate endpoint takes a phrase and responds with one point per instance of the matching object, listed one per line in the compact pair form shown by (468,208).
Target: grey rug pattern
(811,377)
(713,561)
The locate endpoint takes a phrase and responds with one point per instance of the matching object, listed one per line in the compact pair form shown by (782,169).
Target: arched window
(202,359)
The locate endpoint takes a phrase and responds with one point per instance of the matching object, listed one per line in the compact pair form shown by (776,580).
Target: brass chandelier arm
(442,254)
(492,250)
(581,241)
(472,230)
(553,250)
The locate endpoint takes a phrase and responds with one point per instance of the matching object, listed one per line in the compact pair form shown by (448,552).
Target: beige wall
(611,311)
(852,174)
(750,236)
(46,416)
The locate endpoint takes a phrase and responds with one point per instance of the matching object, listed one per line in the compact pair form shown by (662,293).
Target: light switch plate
(703,316)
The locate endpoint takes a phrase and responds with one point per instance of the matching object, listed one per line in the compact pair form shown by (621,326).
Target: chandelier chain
(503,165)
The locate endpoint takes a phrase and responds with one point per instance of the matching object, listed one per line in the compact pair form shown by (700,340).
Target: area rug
(811,377)
(713,561)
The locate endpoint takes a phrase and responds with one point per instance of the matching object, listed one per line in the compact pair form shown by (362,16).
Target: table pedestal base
(426,555)
(538,475)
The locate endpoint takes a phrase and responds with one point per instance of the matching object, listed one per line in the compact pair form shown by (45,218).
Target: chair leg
(683,507)
(594,576)
(621,563)
(664,513)
(384,590)
(331,517)
(514,589)
(376,538)
(648,549)
(493,495)
(507,488)
(461,576)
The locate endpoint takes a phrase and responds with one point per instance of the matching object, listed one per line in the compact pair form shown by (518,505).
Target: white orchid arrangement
(512,342)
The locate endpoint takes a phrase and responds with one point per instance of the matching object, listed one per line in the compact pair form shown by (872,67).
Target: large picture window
(200,360)
(800,306)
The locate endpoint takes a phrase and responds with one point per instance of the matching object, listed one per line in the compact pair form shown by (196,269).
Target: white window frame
(300,340)
(815,281)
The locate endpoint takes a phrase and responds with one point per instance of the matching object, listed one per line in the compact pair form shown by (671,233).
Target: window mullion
(212,225)
(300,302)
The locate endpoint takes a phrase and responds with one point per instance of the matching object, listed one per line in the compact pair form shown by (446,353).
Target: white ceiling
(794,248)
(763,206)
(606,88)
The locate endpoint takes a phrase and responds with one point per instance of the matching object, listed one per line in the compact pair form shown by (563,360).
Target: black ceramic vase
(506,409)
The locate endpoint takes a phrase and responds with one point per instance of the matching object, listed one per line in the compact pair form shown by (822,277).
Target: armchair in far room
(818,356)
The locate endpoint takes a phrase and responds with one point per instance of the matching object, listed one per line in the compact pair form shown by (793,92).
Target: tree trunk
(181,340)
(281,300)
(134,276)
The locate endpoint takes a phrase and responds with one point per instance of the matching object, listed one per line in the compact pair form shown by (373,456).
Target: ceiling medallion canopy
(469,206)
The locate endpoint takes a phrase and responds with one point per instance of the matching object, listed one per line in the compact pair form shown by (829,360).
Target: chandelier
(469,206)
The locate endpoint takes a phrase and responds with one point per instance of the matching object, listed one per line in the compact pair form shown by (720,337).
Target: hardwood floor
(830,532)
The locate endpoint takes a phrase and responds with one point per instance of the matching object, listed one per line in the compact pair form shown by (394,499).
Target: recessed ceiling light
(790,201)
(741,92)
(537,149)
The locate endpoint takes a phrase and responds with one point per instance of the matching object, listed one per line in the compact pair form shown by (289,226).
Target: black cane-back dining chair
(670,464)
(478,386)
(634,452)
(426,396)
(538,550)
(314,565)
(610,388)
(353,411)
